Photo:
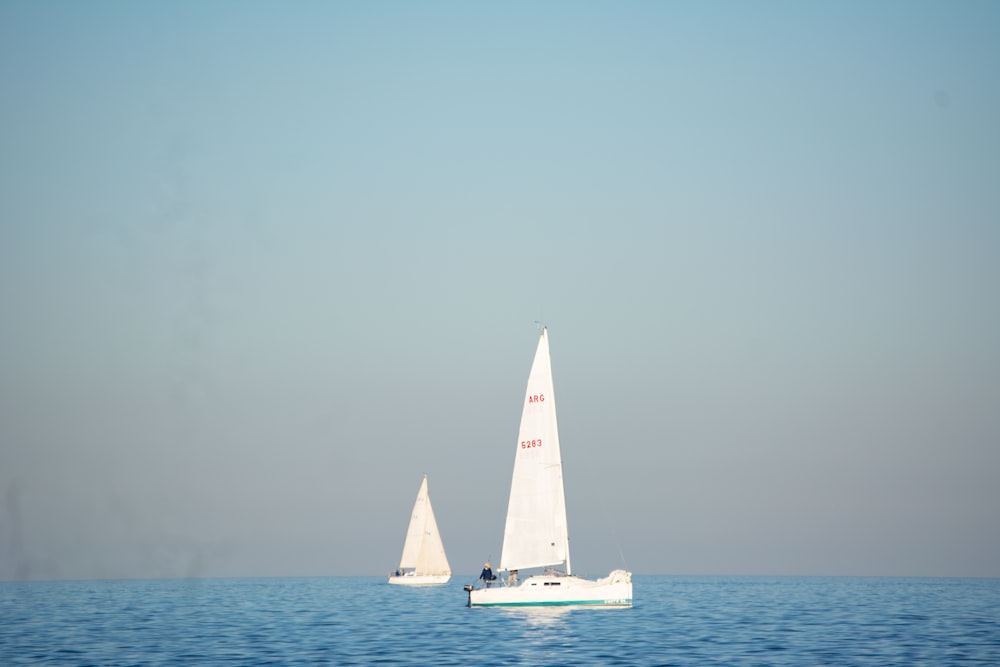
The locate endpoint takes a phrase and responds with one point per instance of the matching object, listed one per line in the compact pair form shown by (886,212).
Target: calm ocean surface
(363,621)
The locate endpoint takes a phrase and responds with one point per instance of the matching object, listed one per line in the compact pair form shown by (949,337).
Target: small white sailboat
(423,562)
(536,533)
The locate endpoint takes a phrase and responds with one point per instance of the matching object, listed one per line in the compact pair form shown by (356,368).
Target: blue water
(364,621)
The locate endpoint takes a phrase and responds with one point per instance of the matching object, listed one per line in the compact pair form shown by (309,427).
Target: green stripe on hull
(567,603)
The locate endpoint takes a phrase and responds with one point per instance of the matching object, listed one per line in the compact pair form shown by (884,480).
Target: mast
(568,570)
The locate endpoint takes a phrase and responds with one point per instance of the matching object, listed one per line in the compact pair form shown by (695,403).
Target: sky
(264,265)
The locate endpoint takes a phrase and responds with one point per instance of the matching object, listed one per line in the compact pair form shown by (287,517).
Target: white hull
(412,579)
(547,590)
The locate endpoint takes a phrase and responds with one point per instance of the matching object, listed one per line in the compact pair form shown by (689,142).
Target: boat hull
(551,590)
(411,579)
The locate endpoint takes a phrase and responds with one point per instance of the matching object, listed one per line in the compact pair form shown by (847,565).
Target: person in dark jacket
(487,574)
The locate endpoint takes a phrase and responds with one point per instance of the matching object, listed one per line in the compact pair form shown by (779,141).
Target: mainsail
(536,533)
(423,550)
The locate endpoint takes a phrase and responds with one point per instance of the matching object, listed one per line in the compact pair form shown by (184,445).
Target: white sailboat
(536,533)
(423,562)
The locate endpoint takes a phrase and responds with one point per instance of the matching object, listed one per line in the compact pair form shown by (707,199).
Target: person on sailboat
(487,574)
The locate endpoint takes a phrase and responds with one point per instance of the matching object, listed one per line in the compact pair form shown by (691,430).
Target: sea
(675,620)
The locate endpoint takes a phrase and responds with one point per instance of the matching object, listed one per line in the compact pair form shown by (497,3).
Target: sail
(423,550)
(536,534)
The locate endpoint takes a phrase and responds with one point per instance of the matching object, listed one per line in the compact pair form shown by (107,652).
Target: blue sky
(262,266)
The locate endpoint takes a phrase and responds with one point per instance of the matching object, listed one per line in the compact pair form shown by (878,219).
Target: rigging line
(618,542)
(614,531)
(622,554)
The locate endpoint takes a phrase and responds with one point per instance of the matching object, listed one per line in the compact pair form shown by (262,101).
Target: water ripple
(677,621)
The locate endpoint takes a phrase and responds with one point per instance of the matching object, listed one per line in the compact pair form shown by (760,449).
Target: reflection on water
(541,617)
